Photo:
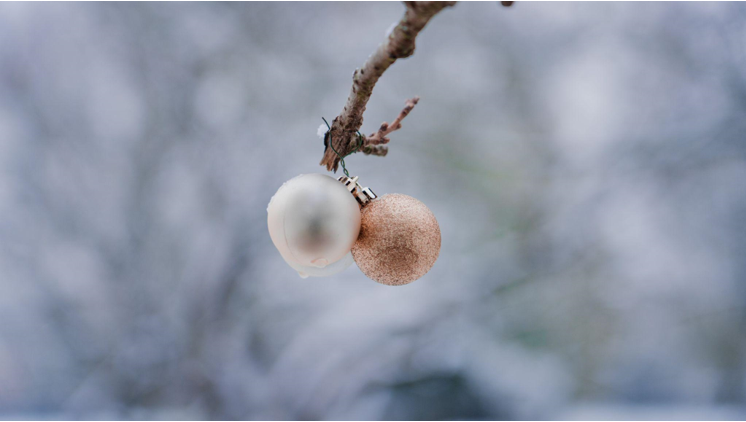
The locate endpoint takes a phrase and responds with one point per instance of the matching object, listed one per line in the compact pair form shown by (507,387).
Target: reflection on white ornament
(331,269)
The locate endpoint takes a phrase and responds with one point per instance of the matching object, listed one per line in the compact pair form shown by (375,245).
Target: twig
(379,137)
(398,45)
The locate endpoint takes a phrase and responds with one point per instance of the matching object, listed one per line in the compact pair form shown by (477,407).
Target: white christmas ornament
(313,222)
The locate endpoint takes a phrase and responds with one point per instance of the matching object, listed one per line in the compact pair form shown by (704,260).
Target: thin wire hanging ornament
(342,157)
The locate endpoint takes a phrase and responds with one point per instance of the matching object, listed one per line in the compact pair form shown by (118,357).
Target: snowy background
(586,162)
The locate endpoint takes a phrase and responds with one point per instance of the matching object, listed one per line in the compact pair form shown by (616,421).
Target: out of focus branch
(398,45)
(385,129)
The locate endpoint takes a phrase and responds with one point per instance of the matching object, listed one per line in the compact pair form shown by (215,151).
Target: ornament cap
(361,194)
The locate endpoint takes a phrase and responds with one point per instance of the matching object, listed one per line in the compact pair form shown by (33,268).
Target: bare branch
(398,45)
(379,137)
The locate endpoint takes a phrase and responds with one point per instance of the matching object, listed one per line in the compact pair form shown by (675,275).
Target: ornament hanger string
(342,157)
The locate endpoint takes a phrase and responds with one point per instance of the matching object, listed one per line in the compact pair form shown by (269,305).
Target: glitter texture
(399,240)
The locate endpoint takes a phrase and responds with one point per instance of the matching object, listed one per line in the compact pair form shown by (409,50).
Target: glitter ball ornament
(313,222)
(399,240)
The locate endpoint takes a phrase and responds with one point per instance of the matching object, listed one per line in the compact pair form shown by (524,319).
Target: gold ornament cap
(399,240)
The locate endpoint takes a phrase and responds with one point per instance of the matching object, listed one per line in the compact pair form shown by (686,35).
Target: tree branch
(379,137)
(399,44)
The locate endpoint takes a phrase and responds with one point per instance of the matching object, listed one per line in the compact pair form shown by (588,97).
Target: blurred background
(586,162)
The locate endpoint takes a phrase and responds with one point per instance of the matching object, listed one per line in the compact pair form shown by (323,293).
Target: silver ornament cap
(361,194)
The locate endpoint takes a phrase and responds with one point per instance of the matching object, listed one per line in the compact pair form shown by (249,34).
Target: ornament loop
(341,157)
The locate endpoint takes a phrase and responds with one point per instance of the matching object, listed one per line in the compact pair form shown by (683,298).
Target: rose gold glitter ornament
(399,240)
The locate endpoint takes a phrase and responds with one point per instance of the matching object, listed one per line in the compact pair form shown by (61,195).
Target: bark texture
(399,44)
